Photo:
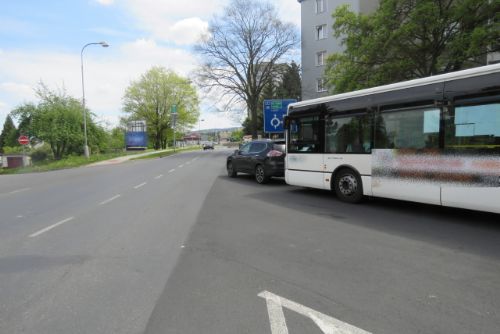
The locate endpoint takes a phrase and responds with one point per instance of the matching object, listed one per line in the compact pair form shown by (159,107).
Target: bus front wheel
(348,187)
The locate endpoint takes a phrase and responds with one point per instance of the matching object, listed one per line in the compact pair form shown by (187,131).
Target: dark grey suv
(261,158)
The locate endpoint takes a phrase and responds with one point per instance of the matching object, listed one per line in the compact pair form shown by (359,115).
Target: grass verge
(166,153)
(67,162)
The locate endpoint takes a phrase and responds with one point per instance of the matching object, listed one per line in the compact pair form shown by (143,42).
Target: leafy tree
(58,120)
(117,138)
(407,39)
(152,97)
(290,84)
(241,50)
(236,135)
(9,134)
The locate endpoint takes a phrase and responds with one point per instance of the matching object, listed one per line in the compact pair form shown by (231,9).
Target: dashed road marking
(48,228)
(140,185)
(180,166)
(19,190)
(172,170)
(159,177)
(327,324)
(110,199)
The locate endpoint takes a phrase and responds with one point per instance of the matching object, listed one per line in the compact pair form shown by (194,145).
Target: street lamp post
(85,143)
(199,130)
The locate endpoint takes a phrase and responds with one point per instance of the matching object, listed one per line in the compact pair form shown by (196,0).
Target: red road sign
(23,140)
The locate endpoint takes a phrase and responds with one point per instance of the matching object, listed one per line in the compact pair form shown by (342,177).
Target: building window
(321,32)
(320,6)
(321,85)
(320,58)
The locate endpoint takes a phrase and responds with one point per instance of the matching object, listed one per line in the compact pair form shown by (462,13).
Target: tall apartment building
(318,40)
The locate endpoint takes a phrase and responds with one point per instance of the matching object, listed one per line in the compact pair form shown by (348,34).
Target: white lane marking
(188,163)
(195,159)
(327,324)
(110,199)
(180,166)
(172,170)
(159,177)
(140,185)
(19,190)
(48,228)
(276,317)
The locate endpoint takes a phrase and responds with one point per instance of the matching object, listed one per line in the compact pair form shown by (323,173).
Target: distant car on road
(261,158)
(207,146)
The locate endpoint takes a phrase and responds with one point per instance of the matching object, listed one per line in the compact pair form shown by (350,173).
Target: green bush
(42,153)
(12,149)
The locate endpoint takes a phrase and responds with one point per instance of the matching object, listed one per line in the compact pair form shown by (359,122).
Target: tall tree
(58,120)
(241,49)
(290,85)
(407,39)
(152,97)
(8,137)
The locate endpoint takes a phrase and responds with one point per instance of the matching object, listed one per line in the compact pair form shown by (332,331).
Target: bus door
(304,159)
(348,140)
(405,161)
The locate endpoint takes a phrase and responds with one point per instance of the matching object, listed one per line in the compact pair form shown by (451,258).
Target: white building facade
(318,41)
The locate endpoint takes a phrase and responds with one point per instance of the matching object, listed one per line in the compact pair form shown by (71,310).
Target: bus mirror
(286,122)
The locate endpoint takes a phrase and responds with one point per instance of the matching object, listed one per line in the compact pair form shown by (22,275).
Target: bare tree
(241,49)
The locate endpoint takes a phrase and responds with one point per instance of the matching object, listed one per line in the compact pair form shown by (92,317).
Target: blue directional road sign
(274,112)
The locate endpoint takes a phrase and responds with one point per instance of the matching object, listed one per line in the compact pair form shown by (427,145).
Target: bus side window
(409,128)
(348,134)
(304,135)
(474,127)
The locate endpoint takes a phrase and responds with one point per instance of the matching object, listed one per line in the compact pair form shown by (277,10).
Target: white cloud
(107,73)
(182,22)
(105,2)
(187,31)
(18,90)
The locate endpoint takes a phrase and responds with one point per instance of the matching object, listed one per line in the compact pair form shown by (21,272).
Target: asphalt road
(150,246)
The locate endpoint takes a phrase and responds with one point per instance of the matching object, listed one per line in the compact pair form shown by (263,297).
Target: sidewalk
(119,160)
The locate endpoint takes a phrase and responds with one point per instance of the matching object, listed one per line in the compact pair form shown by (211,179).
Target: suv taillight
(274,153)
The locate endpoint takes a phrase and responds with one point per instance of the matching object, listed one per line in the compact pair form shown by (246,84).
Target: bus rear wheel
(348,187)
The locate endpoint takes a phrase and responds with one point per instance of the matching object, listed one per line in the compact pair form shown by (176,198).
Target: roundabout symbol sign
(274,111)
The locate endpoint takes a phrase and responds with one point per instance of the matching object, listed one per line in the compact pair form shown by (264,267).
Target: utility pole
(173,114)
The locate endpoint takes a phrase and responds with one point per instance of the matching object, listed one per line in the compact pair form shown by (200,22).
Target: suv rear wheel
(231,172)
(260,175)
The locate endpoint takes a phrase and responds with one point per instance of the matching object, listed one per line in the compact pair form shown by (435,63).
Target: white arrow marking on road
(327,324)
(48,228)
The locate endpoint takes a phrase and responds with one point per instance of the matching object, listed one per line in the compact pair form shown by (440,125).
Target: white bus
(433,140)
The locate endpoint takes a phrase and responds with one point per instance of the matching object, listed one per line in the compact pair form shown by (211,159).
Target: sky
(41,41)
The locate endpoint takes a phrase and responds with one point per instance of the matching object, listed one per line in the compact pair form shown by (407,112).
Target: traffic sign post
(274,112)
(23,140)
